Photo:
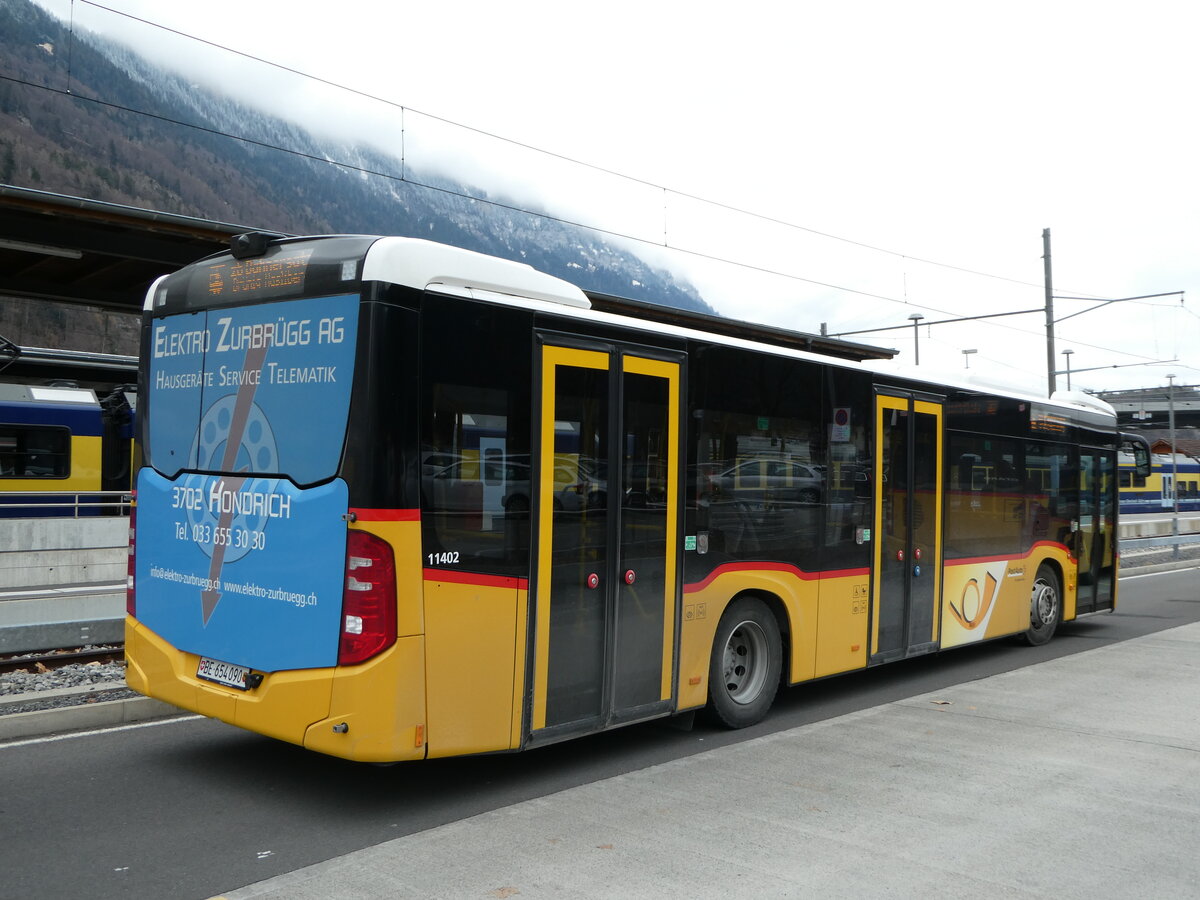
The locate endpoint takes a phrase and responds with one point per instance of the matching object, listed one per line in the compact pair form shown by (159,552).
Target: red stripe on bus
(771,567)
(386,515)
(972,560)
(500,581)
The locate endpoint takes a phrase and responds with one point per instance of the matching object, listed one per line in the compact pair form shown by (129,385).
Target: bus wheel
(1045,606)
(743,673)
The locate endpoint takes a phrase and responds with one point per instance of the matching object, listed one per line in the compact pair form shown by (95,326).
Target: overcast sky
(891,133)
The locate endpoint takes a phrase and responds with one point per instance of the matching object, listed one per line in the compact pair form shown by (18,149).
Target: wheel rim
(1044,607)
(744,662)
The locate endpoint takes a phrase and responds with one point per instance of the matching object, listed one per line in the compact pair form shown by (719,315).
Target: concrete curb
(1170,566)
(77,718)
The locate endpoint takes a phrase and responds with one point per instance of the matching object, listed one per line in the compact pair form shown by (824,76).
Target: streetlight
(916,320)
(967,357)
(1170,425)
(1067,354)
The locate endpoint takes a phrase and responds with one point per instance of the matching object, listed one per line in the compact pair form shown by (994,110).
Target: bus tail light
(130,598)
(369,601)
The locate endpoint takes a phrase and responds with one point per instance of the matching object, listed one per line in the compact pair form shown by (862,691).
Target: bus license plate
(223,673)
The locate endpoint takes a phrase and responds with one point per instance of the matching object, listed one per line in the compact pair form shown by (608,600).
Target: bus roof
(441,268)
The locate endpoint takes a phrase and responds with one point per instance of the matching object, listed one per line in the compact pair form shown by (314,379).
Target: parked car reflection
(767,480)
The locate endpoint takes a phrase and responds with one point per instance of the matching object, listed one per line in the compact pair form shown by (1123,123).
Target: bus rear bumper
(374,712)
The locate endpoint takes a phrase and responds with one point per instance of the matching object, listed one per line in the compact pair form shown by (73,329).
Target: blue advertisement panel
(262,389)
(244,570)
(247,567)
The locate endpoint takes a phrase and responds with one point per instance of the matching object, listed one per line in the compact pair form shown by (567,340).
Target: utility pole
(916,320)
(1174,469)
(1050,383)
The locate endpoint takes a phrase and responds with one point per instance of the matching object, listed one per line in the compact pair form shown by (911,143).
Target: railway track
(49,660)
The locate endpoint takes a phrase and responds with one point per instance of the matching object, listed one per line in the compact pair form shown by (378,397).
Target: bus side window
(477,482)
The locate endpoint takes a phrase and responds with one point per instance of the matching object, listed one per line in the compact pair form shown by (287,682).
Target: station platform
(1010,786)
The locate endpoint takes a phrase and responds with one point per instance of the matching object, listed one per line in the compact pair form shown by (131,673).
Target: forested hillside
(67,125)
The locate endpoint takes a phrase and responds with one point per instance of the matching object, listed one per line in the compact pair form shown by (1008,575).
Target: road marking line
(1131,575)
(79,734)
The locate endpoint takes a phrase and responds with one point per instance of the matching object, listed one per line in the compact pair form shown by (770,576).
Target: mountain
(84,116)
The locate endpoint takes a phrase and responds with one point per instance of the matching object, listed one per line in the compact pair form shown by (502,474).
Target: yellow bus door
(1097,530)
(908,516)
(607,559)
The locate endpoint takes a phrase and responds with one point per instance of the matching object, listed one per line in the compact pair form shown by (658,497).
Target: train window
(34,452)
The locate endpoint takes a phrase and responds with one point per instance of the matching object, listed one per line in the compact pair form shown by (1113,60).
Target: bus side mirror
(1141,456)
(1137,445)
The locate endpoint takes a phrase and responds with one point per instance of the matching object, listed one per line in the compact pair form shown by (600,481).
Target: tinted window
(1006,495)
(849,499)
(32,452)
(239,389)
(758,479)
(476,481)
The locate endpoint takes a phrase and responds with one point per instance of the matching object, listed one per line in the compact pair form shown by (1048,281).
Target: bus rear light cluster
(369,600)
(130,598)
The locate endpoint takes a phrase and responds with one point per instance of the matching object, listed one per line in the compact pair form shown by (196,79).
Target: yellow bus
(400,501)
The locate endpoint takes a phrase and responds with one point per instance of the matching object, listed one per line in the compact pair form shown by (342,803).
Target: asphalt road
(194,808)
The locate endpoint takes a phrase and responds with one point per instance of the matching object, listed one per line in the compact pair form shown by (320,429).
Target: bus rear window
(261,389)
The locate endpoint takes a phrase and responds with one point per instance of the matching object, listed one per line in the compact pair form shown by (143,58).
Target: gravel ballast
(76,684)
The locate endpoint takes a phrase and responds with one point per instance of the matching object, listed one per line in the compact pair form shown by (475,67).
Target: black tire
(809,495)
(745,666)
(1045,606)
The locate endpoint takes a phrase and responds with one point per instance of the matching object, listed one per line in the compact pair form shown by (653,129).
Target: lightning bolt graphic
(210,597)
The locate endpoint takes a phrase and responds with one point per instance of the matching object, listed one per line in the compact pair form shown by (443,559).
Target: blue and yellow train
(1157,492)
(63,448)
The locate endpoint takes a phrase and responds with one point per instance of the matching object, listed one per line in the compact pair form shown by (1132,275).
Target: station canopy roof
(56,247)
(105,255)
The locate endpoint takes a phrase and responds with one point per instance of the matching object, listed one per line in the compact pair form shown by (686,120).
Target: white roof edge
(1080,398)
(989,383)
(148,304)
(393,259)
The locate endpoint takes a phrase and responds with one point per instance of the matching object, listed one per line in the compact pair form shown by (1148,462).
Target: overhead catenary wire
(353,167)
(511,207)
(568,159)
(724,260)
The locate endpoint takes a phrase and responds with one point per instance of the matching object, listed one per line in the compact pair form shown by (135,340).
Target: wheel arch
(1056,566)
(774,603)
